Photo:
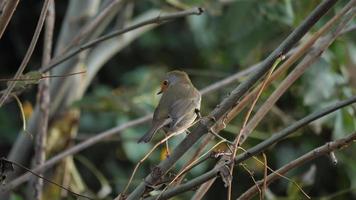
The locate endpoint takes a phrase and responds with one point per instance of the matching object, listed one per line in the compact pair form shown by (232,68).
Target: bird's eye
(165,82)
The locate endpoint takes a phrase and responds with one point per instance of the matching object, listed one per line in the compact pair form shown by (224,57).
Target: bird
(178,106)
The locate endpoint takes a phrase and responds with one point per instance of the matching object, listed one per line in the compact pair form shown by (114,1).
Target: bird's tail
(148,136)
(154,128)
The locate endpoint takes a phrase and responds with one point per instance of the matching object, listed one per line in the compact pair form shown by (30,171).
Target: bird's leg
(167,146)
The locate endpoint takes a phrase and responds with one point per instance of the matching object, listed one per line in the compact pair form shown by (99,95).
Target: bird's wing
(182,107)
(178,102)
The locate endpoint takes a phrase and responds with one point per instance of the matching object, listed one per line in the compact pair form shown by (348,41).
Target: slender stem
(313,55)
(7,12)
(28,53)
(317,152)
(47,180)
(90,44)
(229,102)
(292,59)
(276,137)
(105,135)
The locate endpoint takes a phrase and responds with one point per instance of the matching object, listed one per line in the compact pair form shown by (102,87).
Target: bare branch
(28,53)
(212,174)
(8,10)
(43,178)
(97,138)
(155,20)
(322,150)
(307,62)
(44,101)
(293,58)
(206,123)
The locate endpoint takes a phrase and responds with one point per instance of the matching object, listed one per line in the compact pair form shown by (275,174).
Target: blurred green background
(230,36)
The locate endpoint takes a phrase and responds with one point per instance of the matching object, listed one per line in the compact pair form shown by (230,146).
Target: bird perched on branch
(178,107)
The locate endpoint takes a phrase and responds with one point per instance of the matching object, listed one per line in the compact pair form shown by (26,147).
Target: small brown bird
(178,107)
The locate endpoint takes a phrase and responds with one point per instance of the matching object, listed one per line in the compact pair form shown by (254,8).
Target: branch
(276,137)
(307,62)
(75,50)
(75,149)
(7,12)
(155,20)
(28,53)
(44,100)
(206,123)
(100,137)
(300,51)
(322,150)
(99,22)
(45,179)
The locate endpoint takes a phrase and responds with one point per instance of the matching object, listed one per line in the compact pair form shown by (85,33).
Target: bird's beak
(163,88)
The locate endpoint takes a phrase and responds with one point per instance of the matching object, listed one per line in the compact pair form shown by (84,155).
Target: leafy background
(228,38)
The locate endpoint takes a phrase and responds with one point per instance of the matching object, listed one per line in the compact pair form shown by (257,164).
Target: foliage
(230,37)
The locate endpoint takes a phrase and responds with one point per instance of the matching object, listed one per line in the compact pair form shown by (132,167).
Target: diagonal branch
(293,58)
(206,123)
(7,10)
(276,137)
(321,45)
(29,52)
(106,134)
(77,49)
(320,151)
(90,44)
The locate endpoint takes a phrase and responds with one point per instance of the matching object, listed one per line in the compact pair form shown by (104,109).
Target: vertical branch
(44,100)
(7,10)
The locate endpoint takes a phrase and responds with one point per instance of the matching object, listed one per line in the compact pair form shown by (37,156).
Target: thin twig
(7,12)
(282,176)
(264,186)
(314,54)
(77,49)
(243,165)
(93,140)
(155,20)
(107,134)
(295,56)
(237,140)
(28,53)
(187,168)
(322,150)
(47,180)
(143,159)
(276,137)
(110,9)
(236,94)
(43,76)
(22,113)
(300,51)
